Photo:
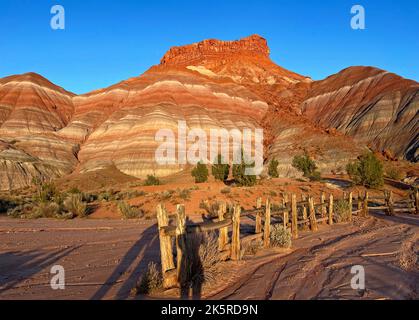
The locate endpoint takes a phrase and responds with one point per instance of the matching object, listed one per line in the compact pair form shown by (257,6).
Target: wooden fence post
(166,252)
(180,243)
(323,208)
(258,221)
(235,238)
(350,206)
(294,217)
(365,206)
(330,209)
(267,226)
(304,198)
(389,203)
(223,233)
(359,204)
(312,216)
(417,200)
(286,213)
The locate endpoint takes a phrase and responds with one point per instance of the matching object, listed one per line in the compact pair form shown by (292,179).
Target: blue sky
(108,41)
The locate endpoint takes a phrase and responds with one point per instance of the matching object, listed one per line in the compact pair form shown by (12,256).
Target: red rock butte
(48,132)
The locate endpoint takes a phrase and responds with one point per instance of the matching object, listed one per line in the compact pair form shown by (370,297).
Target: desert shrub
(239,173)
(46,192)
(184,194)
(89,197)
(366,171)
(152,280)
(219,170)
(46,210)
(253,247)
(166,195)
(128,211)
(74,190)
(273,168)
(394,173)
(280,237)
(20,211)
(200,173)
(225,190)
(273,193)
(104,196)
(341,211)
(315,176)
(75,206)
(152,181)
(201,259)
(304,164)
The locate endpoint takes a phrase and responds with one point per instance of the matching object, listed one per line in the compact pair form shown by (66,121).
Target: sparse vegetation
(253,247)
(394,173)
(75,206)
(273,168)
(128,211)
(46,210)
(239,173)
(184,194)
(307,166)
(152,280)
(219,170)
(200,173)
(152,180)
(341,211)
(280,237)
(225,190)
(366,171)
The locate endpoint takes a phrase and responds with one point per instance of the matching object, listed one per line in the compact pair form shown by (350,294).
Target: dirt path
(104,258)
(320,267)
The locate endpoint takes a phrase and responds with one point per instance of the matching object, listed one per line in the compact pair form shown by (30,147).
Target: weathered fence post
(267,226)
(166,252)
(350,206)
(417,200)
(304,199)
(359,204)
(258,221)
(365,206)
(389,203)
(286,213)
(180,243)
(312,216)
(330,209)
(235,238)
(223,233)
(323,208)
(294,216)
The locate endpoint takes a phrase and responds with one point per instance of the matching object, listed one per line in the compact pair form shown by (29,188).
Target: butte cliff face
(46,131)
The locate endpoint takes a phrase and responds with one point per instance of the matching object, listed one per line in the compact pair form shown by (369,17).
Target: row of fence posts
(233,250)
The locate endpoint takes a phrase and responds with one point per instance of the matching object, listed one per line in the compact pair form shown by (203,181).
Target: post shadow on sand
(147,246)
(23,265)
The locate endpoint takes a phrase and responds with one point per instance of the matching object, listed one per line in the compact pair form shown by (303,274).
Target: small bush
(74,190)
(341,211)
(184,194)
(394,173)
(75,206)
(202,258)
(273,168)
(239,173)
(128,211)
(46,192)
(366,171)
(46,210)
(200,173)
(315,176)
(152,280)
(253,247)
(219,170)
(304,164)
(152,181)
(280,237)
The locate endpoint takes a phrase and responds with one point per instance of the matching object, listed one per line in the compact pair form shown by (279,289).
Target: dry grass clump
(75,206)
(46,210)
(201,259)
(253,247)
(280,237)
(407,257)
(151,280)
(128,211)
(341,211)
